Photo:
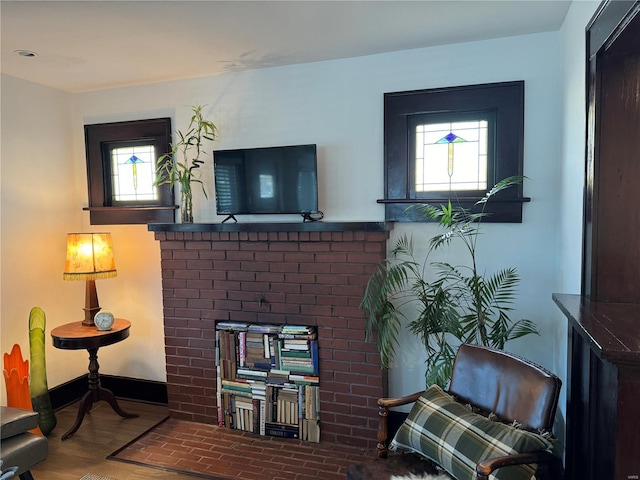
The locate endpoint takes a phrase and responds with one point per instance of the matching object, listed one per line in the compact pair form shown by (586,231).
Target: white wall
(572,170)
(339,106)
(39,204)
(531,245)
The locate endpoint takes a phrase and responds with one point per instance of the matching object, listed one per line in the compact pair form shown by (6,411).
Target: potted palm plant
(460,304)
(181,165)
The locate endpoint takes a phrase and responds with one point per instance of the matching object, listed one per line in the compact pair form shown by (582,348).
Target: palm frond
(387,325)
(499,289)
(501,185)
(440,365)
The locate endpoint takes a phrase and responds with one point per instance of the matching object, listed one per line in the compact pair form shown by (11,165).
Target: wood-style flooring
(102,432)
(206,449)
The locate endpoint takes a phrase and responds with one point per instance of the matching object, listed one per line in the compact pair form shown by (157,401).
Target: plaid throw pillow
(456,439)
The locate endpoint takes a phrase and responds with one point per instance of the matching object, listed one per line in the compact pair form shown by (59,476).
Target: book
(288,353)
(263,413)
(280,430)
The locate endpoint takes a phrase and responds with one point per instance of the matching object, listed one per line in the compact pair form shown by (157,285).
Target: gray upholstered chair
(19,447)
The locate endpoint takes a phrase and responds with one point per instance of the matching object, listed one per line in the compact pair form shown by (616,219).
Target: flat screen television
(269,180)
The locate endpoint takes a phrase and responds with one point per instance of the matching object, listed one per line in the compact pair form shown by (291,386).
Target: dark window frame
(505,100)
(103,210)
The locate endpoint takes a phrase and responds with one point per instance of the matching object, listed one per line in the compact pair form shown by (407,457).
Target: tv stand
(230,217)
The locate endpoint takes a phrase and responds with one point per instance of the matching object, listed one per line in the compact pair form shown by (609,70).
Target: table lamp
(89,257)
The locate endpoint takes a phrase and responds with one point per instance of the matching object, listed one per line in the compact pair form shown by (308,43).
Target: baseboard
(147,391)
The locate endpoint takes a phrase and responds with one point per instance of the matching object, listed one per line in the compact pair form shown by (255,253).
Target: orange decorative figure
(16,378)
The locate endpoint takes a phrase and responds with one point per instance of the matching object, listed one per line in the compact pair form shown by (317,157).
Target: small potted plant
(181,164)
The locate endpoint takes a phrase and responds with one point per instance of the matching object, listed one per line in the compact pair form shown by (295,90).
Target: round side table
(75,336)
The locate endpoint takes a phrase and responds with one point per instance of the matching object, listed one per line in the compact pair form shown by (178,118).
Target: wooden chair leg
(381,448)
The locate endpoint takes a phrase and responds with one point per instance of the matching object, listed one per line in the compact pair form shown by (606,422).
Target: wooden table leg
(95,394)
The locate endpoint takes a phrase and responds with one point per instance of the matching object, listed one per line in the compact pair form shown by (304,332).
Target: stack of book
(236,401)
(310,416)
(260,346)
(268,379)
(298,349)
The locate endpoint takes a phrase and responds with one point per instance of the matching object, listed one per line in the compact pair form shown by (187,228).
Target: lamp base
(91,306)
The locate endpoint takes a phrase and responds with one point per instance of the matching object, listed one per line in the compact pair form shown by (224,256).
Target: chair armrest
(542,458)
(395,402)
(383,411)
(16,420)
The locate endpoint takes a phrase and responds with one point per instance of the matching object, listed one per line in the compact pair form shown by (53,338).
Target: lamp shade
(89,257)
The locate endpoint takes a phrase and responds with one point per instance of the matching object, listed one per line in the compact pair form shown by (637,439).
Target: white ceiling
(93,45)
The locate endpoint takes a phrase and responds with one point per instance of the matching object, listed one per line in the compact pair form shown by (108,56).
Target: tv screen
(270,180)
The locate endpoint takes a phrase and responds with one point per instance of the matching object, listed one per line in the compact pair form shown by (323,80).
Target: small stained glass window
(453,143)
(133,173)
(121,163)
(451,156)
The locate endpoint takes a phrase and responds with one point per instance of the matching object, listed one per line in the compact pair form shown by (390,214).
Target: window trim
(506,99)
(102,209)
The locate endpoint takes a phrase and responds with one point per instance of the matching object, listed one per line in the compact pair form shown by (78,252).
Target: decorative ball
(104,320)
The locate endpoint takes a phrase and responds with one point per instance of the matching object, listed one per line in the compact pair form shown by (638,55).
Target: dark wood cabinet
(603,389)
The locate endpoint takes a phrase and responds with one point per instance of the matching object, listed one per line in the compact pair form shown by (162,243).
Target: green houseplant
(460,304)
(181,165)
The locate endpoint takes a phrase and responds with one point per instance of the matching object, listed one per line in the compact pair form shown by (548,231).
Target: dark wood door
(612,233)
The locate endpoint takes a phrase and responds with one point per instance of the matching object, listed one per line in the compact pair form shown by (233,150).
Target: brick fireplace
(306,273)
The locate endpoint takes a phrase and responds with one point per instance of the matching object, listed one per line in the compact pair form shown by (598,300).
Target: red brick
(269,256)
(202,304)
(353,312)
(199,284)
(299,257)
(286,288)
(255,286)
(199,264)
(241,276)
(315,247)
(187,312)
(240,255)
(315,289)
(315,310)
(184,255)
(284,247)
(270,277)
(186,274)
(227,246)
(314,268)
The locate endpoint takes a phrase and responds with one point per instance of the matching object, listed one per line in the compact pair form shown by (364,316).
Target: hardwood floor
(101,433)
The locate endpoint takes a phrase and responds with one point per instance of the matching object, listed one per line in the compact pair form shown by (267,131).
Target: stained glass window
(451,156)
(121,159)
(133,173)
(453,143)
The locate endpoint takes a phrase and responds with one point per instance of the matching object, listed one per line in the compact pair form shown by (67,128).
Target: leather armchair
(510,387)
(19,447)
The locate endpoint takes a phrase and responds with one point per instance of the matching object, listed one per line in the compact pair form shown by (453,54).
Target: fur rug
(426,476)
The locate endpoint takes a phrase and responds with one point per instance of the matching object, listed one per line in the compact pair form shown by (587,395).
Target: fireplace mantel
(273,227)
